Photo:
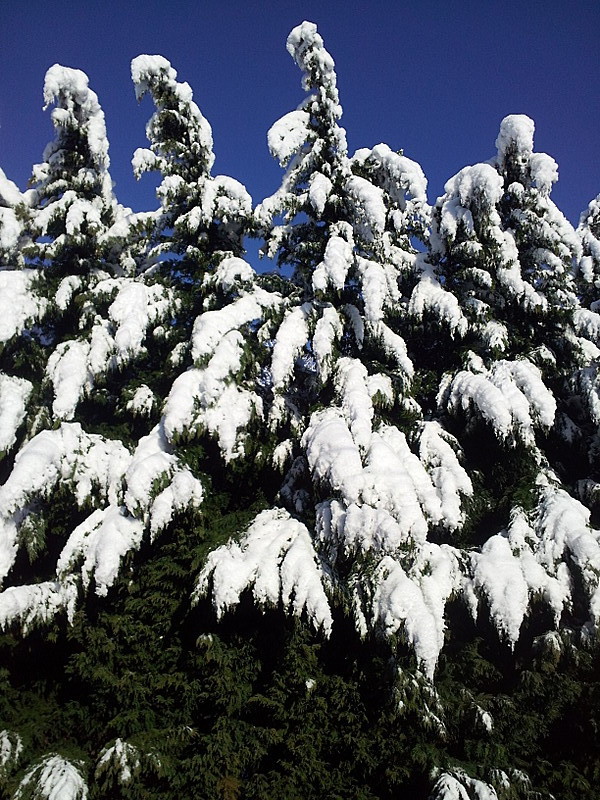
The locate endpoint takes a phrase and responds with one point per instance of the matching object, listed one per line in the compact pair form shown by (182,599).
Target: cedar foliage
(148,675)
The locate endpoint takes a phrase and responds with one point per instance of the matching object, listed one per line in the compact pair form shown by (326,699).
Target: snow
(544,171)
(328,331)
(276,560)
(37,604)
(76,103)
(477,188)
(14,394)
(10,229)
(332,455)
(208,398)
(438,453)
(369,205)
(212,326)
(337,261)
(351,382)
(319,190)
(121,757)
(457,785)
(142,401)
(66,289)
(85,462)
(394,347)
(511,397)
(415,605)
(135,308)
(11,747)
(374,289)
(290,339)
(10,195)
(100,542)
(54,778)
(399,176)
(230,273)
(155,75)
(287,135)
(516,135)
(429,297)
(20,305)
(153,466)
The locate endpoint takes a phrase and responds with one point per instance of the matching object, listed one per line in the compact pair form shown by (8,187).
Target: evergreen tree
(319,533)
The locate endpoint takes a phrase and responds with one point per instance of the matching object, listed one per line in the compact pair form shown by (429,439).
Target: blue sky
(434,78)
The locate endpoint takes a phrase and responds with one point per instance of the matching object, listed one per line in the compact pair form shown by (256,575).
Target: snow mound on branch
(516,133)
(87,463)
(291,338)
(156,76)
(69,88)
(208,398)
(212,326)
(413,602)
(535,557)
(401,178)
(11,747)
(37,604)
(429,297)
(75,364)
(287,135)
(275,558)
(19,304)
(122,758)
(54,778)
(14,394)
(337,261)
(157,485)
(142,401)
(511,397)
(457,785)
(100,542)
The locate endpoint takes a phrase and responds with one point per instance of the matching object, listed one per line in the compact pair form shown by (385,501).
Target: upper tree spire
(200,214)
(73,202)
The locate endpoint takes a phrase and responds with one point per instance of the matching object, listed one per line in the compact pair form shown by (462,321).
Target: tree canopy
(322,529)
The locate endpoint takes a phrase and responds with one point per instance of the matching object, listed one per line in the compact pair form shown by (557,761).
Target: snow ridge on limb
(114,340)
(11,225)
(54,778)
(510,396)
(276,559)
(133,492)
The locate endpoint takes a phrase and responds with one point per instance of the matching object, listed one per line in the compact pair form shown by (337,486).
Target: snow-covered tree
(200,215)
(589,265)
(358,501)
(378,467)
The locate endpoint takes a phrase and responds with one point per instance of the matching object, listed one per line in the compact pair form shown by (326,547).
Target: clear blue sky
(434,78)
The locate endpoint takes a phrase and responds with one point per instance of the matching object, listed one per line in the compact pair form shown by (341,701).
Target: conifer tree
(335,353)
(398,449)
